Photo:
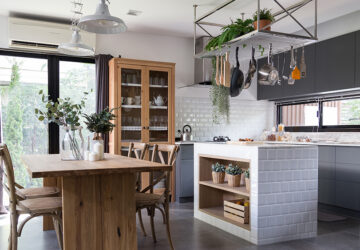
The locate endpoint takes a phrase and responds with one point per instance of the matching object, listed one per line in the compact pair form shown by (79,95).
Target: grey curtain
(102,87)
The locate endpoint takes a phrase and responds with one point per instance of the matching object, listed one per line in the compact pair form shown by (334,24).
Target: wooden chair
(152,201)
(138,150)
(35,207)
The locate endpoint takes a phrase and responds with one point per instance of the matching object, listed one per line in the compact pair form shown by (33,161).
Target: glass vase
(72,144)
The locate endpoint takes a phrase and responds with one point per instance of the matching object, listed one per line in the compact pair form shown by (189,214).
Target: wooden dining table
(98,198)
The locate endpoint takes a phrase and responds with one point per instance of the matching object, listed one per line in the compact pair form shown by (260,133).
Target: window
(332,114)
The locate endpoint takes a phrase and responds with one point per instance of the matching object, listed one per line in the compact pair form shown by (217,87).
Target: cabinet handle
(144,127)
(147,127)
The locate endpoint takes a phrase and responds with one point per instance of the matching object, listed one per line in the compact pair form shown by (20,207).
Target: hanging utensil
(291,81)
(221,70)
(217,77)
(252,69)
(296,74)
(303,64)
(227,73)
(268,74)
(237,77)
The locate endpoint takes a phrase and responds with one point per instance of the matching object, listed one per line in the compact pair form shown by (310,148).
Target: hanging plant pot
(263,23)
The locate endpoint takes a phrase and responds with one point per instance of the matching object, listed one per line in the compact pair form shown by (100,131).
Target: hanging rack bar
(214,10)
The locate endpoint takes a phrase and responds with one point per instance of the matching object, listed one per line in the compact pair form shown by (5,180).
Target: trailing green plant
(220,100)
(63,112)
(238,28)
(100,122)
(247,173)
(233,170)
(217,167)
(265,14)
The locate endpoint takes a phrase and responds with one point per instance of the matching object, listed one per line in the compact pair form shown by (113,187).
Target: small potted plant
(218,173)
(100,124)
(247,179)
(233,174)
(265,18)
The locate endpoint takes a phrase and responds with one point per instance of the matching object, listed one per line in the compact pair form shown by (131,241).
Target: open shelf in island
(212,196)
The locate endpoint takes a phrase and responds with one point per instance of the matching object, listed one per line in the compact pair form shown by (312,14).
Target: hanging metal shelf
(259,38)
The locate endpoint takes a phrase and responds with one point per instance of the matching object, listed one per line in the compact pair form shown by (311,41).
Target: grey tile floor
(189,233)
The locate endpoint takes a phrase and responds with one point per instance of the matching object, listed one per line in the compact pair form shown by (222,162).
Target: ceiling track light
(102,22)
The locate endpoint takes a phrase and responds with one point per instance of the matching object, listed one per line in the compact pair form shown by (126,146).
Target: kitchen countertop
(338,144)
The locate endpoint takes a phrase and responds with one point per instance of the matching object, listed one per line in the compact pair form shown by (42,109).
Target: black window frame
(53,84)
(320,127)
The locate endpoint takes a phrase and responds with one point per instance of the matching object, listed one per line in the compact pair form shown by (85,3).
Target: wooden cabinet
(144,92)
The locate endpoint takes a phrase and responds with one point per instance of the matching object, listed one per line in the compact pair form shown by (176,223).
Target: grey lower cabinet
(357,58)
(184,189)
(339,176)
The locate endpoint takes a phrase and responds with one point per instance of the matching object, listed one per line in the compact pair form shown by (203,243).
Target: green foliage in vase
(217,167)
(233,170)
(238,28)
(220,100)
(247,173)
(265,14)
(100,123)
(63,112)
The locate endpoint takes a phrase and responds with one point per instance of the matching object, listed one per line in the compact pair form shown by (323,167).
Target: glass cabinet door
(131,78)
(159,79)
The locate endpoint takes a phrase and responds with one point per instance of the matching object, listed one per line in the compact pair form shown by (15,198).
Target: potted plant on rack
(66,114)
(218,173)
(265,19)
(247,179)
(233,174)
(100,124)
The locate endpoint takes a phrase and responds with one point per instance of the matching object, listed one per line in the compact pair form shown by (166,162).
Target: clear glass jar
(72,144)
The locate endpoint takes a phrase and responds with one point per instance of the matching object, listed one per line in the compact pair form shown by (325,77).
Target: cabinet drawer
(348,155)
(187,152)
(327,191)
(327,170)
(327,154)
(348,172)
(348,195)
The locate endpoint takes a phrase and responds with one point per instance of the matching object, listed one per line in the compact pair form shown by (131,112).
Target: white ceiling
(175,17)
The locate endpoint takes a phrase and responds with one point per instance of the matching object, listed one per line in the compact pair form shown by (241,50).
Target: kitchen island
(283,192)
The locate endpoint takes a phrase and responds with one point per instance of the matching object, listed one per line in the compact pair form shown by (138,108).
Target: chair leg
(152,214)
(141,222)
(58,230)
(166,208)
(10,238)
(163,214)
(14,238)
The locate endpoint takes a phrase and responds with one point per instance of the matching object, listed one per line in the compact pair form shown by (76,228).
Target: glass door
(130,93)
(159,109)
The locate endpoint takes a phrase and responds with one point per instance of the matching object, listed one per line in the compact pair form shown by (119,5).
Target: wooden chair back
(158,151)
(139,150)
(9,183)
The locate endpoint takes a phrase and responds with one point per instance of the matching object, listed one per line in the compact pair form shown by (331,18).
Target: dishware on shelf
(137,100)
(128,78)
(162,81)
(159,100)
(134,78)
(122,100)
(129,100)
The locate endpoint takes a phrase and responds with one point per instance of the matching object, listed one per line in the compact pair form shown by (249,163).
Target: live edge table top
(51,165)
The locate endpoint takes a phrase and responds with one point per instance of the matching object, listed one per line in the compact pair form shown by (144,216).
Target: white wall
(4,32)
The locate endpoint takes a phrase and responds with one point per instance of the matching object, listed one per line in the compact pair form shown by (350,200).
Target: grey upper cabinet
(265,92)
(335,64)
(357,58)
(307,84)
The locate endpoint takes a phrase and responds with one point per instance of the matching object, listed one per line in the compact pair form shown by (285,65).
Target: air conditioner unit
(42,36)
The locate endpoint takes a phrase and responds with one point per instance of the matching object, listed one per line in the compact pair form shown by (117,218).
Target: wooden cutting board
(227,71)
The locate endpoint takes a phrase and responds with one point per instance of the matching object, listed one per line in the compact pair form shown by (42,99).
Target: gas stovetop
(221,139)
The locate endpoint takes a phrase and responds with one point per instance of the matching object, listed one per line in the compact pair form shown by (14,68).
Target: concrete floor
(189,233)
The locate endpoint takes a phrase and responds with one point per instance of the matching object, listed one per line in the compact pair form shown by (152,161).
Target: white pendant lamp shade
(102,22)
(75,47)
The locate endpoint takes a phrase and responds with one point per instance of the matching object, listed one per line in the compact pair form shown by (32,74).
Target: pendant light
(75,47)
(102,22)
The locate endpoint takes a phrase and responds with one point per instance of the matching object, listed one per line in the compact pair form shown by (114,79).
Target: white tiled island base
(283,195)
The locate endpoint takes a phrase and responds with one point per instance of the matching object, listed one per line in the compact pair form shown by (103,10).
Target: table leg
(99,212)
(50,182)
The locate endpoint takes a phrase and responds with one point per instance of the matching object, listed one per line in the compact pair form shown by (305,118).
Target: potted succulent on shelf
(218,173)
(66,114)
(247,179)
(100,124)
(233,174)
(265,19)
